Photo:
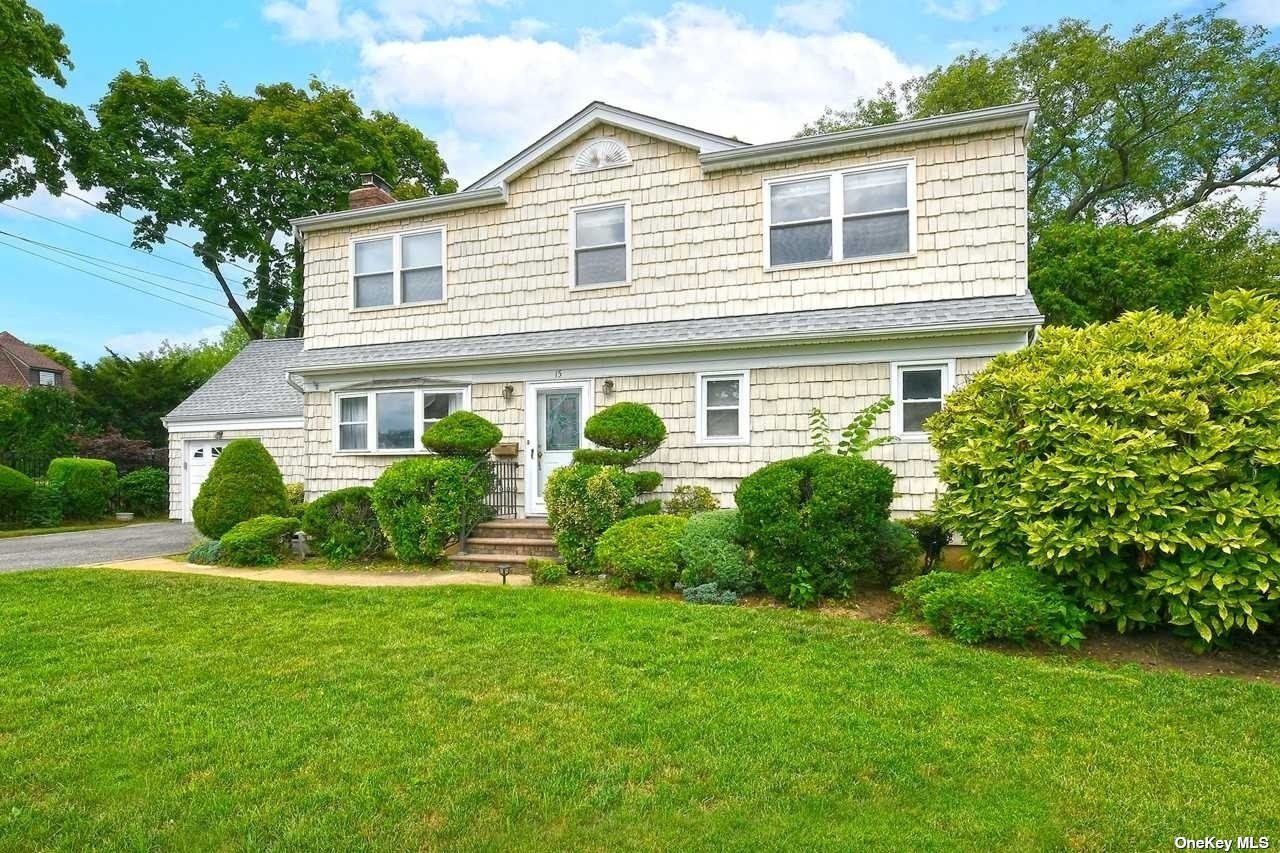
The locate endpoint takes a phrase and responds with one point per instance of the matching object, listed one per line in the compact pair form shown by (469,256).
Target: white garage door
(200,458)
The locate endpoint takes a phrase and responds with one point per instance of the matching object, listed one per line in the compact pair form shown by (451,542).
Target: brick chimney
(372,192)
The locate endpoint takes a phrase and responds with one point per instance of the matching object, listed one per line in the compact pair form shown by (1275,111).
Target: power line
(95,259)
(123,284)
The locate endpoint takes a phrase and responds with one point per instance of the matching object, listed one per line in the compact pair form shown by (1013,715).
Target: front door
(556,413)
(200,458)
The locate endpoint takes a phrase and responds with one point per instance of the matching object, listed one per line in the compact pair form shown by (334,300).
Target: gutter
(1011,115)
(400,209)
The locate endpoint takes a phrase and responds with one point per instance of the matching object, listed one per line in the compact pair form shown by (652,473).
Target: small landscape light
(504,569)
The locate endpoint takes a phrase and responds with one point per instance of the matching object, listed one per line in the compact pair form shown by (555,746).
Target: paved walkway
(323,577)
(85,547)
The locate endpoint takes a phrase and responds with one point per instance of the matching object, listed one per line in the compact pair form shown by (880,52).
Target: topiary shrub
(708,593)
(819,514)
(710,553)
(87,486)
(895,553)
(257,542)
(1013,603)
(630,427)
(932,535)
(43,507)
(546,572)
(583,501)
(15,490)
(343,526)
(463,434)
(647,481)
(244,483)
(144,492)
(206,553)
(1139,461)
(420,504)
(691,500)
(295,495)
(642,553)
(913,592)
(603,456)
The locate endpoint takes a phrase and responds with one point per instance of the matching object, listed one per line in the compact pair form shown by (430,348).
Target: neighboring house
(732,287)
(22,366)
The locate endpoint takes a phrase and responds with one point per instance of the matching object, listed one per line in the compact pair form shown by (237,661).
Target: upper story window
(723,408)
(918,391)
(394,420)
(47,378)
(398,269)
(854,214)
(600,238)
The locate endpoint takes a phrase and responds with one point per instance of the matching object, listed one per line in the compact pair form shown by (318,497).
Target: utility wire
(123,284)
(97,260)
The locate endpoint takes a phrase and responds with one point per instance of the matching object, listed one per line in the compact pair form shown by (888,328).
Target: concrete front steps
(507,541)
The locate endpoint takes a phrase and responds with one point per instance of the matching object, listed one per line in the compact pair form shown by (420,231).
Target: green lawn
(150,711)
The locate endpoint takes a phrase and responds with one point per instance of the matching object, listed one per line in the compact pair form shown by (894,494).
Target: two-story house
(732,287)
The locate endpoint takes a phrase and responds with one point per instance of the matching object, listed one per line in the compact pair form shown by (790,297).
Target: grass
(150,711)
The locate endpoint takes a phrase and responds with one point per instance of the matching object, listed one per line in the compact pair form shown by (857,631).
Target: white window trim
(744,408)
(573,244)
(397,269)
(371,427)
(836,199)
(948,366)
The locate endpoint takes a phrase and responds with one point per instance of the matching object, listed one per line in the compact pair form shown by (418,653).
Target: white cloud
(331,20)
(528,27)
(962,10)
(133,343)
(314,20)
(695,65)
(817,16)
(59,207)
(1265,13)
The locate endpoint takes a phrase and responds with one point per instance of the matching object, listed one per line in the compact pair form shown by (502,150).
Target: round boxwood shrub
(895,553)
(87,486)
(710,553)
(420,504)
(1138,460)
(15,489)
(257,542)
(812,521)
(642,553)
(144,491)
(630,427)
(464,434)
(342,525)
(583,501)
(244,483)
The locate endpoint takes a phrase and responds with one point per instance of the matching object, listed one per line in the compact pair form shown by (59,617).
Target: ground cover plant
(175,712)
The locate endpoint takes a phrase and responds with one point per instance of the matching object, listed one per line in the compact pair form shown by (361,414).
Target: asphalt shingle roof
(864,321)
(253,384)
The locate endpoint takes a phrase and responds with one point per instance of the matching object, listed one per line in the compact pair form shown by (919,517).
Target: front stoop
(509,542)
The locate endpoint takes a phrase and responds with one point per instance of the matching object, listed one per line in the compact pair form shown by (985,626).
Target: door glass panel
(561,426)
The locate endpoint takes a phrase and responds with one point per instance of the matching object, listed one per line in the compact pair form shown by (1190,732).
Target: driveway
(87,547)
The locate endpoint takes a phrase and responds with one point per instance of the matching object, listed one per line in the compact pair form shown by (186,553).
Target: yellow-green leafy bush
(583,501)
(1139,461)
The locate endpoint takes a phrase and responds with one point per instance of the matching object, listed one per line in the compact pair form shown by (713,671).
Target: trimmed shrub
(206,553)
(913,592)
(1138,460)
(710,553)
(603,456)
(708,593)
(895,553)
(690,500)
(464,434)
(642,553)
(1013,603)
(144,491)
(583,501)
(546,572)
(646,481)
(653,507)
(15,490)
(420,503)
(44,506)
(932,536)
(630,427)
(87,486)
(819,513)
(244,483)
(342,525)
(257,542)
(295,496)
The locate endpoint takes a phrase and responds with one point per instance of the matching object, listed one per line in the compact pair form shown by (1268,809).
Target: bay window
(392,421)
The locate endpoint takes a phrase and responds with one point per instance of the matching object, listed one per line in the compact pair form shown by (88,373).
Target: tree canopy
(236,168)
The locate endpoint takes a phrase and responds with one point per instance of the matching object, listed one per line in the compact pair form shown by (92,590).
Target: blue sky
(483,78)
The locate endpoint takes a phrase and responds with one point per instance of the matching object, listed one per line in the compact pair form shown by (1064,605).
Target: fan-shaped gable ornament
(606,153)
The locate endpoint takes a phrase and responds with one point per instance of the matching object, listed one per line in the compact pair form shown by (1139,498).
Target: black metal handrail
(501,495)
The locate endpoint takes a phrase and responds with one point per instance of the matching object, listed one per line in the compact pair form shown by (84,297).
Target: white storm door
(556,414)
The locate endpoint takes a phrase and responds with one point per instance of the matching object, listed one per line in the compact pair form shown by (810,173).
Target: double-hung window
(47,378)
(392,421)
(918,392)
(398,269)
(723,401)
(867,212)
(600,238)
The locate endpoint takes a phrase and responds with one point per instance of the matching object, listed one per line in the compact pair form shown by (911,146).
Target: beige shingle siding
(697,245)
(284,445)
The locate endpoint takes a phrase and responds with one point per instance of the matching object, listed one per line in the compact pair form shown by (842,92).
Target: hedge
(144,492)
(343,526)
(420,504)
(86,485)
(15,490)
(244,483)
